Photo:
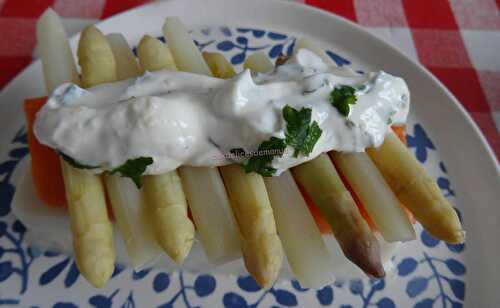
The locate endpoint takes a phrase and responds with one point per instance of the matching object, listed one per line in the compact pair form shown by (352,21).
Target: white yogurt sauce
(186,119)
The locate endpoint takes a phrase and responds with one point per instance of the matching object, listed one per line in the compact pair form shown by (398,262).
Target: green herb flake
(75,163)
(133,169)
(261,162)
(341,97)
(300,133)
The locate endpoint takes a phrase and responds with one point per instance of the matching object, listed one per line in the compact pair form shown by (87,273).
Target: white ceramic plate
(429,272)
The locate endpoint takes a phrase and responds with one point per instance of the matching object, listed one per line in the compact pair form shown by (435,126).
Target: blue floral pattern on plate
(429,272)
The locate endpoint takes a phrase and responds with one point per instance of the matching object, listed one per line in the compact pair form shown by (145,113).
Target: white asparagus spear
(258,62)
(306,43)
(154,55)
(92,231)
(304,247)
(212,213)
(90,225)
(417,190)
(218,65)
(261,246)
(57,60)
(95,253)
(164,194)
(186,55)
(133,220)
(322,183)
(188,58)
(126,63)
(126,200)
(167,207)
(375,195)
(96,58)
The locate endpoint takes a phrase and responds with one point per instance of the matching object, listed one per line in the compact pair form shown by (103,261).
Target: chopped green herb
(133,169)
(74,163)
(261,162)
(341,97)
(300,133)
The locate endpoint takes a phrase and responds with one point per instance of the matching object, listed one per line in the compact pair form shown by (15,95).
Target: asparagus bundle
(106,60)
(319,178)
(409,182)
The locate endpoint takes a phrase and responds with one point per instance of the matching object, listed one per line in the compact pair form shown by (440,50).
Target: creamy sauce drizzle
(181,118)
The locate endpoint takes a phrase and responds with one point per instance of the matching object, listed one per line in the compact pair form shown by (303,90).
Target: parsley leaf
(261,162)
(341,97)
(75,163)
(311,138)
(133,169)
(300,133)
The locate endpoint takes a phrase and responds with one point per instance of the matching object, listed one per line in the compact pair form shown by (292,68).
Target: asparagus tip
(367,257)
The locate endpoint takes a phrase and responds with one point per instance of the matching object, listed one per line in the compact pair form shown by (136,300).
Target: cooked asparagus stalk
(304,247)
(154,55)
(302,241)
(211,212)
(308,44)
(322,183)
(188,58)
(417,190)
(90,225)
(168,209)
(375,195)
(95,58)
(57,60)
(126,63)
(165,197)
(186,55)
(133,220)
(126,200)
(261,246)
(218,65)
(92,231)
(258,62)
